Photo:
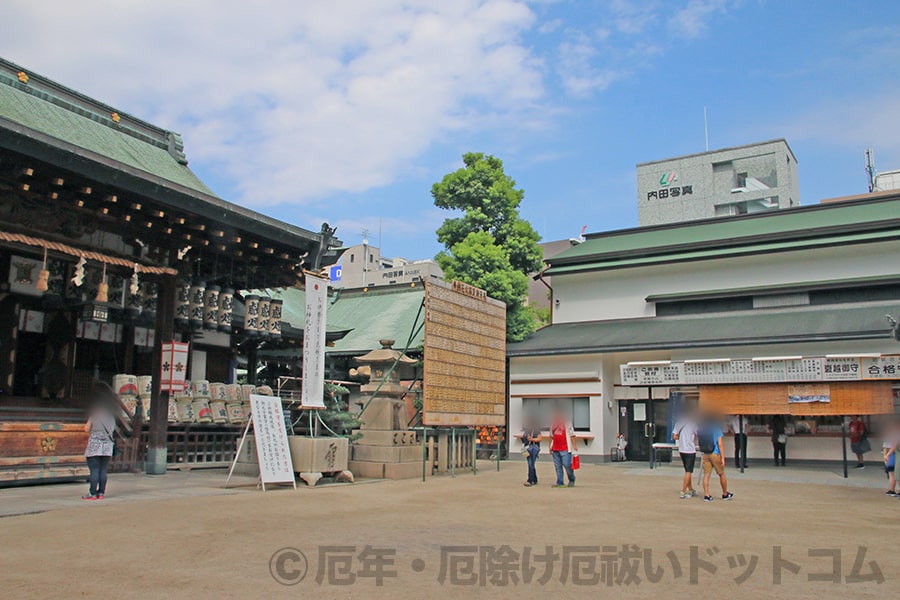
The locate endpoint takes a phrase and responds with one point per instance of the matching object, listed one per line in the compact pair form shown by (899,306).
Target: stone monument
(387,448)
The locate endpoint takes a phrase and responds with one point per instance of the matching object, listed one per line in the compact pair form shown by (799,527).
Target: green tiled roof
(51,122)
(71,119)
(870,218)
(856,321)
(381,313)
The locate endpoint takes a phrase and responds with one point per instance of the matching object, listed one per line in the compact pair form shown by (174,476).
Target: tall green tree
(490,245)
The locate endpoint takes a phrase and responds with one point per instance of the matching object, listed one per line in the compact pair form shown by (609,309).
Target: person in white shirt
(621,444)
(685,435)
(740,440)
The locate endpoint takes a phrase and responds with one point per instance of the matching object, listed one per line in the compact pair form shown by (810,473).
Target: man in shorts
(686,437)
(710,438)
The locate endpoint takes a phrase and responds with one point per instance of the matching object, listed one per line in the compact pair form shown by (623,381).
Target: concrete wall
(620,294)
(566,376)
(363,266)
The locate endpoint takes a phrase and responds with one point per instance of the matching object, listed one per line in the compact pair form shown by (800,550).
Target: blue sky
(348,111)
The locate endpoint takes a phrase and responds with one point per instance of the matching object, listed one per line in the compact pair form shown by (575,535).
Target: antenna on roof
(870,168)
(706,129)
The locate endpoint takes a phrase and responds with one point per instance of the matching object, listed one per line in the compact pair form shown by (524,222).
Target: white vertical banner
(314,343)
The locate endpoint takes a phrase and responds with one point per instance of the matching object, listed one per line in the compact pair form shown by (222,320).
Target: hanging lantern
(149,299)
(275,311)
(211,313)
(251,318)
(262,326)
(198,298)
(226,304)
(182,303)
(95,312)
(173,366)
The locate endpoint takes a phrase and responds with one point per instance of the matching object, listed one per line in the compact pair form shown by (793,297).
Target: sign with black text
(270,434)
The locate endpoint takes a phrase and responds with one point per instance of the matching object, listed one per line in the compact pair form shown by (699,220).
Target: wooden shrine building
(102,228)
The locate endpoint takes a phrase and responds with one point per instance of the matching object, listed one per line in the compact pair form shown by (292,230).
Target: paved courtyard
(622,526)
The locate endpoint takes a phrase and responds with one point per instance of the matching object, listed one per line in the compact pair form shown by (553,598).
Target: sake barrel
(145,406)
(219,412)
(246,390)
(184,393)
(217,391)
(185,410)
(200,388)
(202,412)
(145,385)
(173,411)
(264,390)
(233,392)
(125,385)
(234,411)
(130,403)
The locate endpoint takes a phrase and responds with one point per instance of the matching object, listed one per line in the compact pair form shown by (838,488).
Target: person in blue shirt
(710,438)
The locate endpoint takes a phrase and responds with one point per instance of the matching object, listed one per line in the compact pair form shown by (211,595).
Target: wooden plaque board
(465,356)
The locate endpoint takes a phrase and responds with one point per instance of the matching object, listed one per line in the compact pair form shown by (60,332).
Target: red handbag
(576,462)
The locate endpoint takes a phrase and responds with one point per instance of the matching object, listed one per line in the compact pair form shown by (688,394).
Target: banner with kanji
(313,388)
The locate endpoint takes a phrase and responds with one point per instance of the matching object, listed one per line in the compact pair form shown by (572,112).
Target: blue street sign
(335,273)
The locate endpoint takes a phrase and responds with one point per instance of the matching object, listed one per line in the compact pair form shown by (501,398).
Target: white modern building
(748,179)
(363,266)
(731,311)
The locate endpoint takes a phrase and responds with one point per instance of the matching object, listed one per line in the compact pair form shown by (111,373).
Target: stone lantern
(387,449)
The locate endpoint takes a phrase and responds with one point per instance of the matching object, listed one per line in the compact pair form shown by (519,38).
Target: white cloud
(578,69)
(692,20)
(291,101)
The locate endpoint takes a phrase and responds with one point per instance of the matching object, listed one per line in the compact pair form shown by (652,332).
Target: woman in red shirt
(561,448)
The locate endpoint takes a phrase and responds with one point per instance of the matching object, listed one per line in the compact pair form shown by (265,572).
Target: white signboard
(775,370)
(272,449)
(883,367)
(314,343)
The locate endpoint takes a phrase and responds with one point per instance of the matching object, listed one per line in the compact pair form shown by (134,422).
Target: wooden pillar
(155,463)
(252,364)
(128,354)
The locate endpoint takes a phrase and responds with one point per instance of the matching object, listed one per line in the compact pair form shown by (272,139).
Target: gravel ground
(621,532)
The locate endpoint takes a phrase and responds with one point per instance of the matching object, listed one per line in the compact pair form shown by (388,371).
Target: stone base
(386,454)
(371,437)
(155,463)
(380,470)
(311,479)
(318,455)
